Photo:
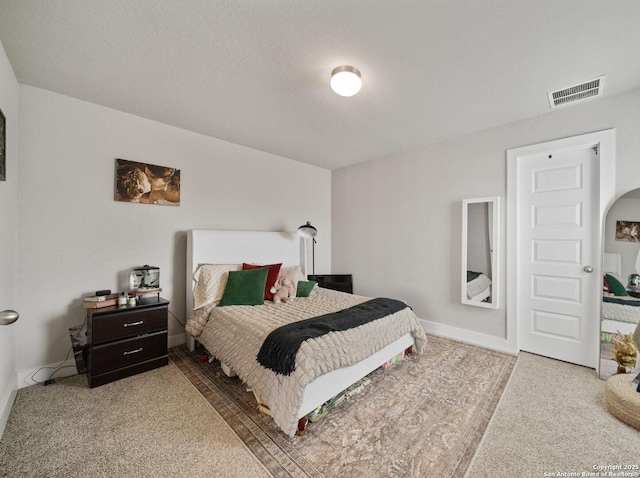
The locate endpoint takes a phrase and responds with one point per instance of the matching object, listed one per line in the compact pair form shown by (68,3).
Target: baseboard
(469,336)
(37,375)
(7,402)
(179,339)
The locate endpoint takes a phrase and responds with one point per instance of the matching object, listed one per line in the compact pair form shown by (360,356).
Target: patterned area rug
(423,417)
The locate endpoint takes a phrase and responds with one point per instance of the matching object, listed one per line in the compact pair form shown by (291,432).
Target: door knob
(588,269)
(8,317)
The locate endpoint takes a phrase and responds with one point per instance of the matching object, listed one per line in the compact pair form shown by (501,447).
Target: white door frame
(605,141)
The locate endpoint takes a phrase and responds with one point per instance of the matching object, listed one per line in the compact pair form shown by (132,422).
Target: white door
(557,215)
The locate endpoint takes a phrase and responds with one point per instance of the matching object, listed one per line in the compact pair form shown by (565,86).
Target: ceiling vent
(576,93)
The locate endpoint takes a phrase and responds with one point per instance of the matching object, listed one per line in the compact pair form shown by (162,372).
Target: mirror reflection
(480,252)
(621,286)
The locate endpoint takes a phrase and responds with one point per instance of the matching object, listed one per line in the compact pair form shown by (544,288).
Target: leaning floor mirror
(480,251)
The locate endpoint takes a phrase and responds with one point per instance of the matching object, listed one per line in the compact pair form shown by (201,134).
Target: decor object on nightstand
(124,341)
(307,231)
(145,277)
(144,281)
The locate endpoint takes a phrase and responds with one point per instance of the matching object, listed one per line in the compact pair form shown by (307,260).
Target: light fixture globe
(345,80)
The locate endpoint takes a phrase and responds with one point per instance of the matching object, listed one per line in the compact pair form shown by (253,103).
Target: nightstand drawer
(128,352)
(128,323)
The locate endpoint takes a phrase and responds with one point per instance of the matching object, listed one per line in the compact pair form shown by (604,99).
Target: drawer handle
(140,322)
(133,351)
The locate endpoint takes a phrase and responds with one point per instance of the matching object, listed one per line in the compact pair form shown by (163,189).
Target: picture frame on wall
(147,183)
(3,147)
(628,231)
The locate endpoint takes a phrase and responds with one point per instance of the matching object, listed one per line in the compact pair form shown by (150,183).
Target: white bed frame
(262,247)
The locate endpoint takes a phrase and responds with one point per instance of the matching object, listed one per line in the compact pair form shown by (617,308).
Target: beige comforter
(234,335)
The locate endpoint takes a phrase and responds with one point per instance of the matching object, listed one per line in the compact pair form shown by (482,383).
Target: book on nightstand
(101,304)
(99,301)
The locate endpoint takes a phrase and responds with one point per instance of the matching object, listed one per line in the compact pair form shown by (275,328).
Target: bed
(478,286)
(324,365)
(619,314)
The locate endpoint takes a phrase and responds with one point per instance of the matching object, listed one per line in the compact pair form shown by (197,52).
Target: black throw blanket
(472,275)
(278,352)
(619,300)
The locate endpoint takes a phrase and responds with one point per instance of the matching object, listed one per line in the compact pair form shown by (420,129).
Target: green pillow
(245,287)
(615,286)
(304,288)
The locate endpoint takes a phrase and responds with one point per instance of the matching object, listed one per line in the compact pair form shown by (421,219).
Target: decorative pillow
(605,286)
(211,280)
(272,276)
(304,288)
(245,287)
(615,285)
(294,274)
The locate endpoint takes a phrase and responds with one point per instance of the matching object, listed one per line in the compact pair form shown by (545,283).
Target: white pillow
(211,280)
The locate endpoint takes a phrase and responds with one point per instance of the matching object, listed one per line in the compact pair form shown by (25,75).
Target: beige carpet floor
(150,425)
(552,418)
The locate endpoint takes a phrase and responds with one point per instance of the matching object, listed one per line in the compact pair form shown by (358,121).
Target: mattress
(234,335)
(622,312)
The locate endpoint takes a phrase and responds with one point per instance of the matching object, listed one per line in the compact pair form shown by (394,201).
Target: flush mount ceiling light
(345,80)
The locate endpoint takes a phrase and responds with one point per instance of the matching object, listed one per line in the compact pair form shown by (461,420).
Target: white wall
(75,239)
(9,91)
(396,221)
(624,209)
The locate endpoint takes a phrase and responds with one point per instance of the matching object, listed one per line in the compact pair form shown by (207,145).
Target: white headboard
(236,247)
(612,264)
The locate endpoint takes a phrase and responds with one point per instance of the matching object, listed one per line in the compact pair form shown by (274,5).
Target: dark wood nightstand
(126,340)
(341,282)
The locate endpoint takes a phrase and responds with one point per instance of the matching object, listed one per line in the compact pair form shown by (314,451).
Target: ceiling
(256,72)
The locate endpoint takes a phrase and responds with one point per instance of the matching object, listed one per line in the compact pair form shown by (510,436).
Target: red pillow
(272,276)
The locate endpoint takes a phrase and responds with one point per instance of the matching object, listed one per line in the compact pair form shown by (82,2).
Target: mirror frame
(494,211)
